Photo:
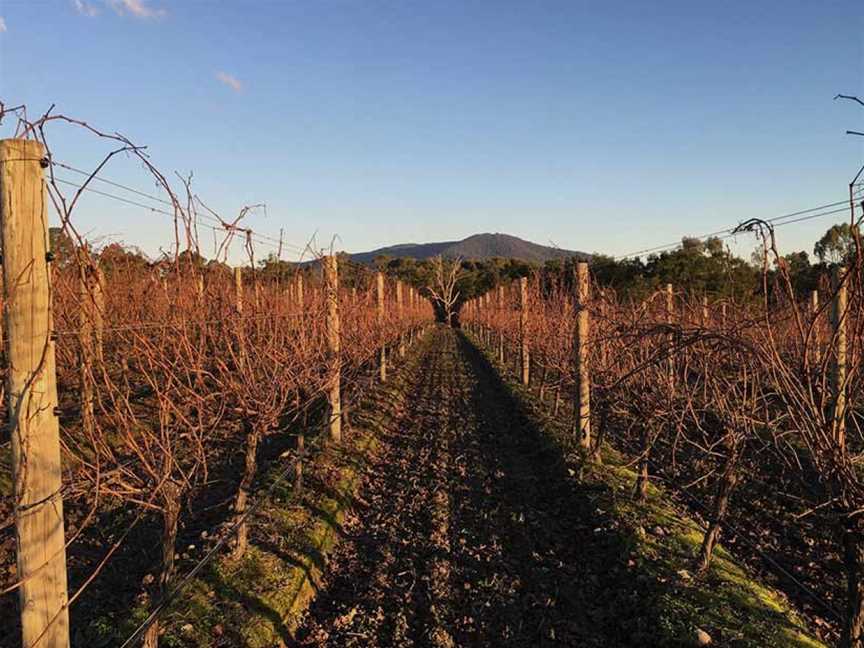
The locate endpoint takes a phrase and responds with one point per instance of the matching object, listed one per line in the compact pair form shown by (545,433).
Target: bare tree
(446,275)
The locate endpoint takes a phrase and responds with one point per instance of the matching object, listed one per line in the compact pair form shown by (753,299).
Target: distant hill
(478,246)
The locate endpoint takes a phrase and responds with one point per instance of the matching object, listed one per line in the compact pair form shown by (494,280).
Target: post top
(16,148)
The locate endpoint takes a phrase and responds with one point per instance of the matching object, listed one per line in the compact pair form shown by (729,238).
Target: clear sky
(600,126)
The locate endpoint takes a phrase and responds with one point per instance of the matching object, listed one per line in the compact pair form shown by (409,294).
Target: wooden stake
(300,292)
(99,314)
(816,352)
(383,353)
(331,280)
(88,309)
(399,315)
(238,289)
(523,330)
(501,357)
(583,331)
(301,315)
(838,362)
(670,314)
(31,392)
(604,325)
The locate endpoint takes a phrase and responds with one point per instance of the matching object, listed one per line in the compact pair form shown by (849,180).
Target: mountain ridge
(477,246)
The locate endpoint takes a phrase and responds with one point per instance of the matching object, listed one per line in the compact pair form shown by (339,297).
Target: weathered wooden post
(99,314)
(583,373)
(816,341)
(411,314)
(670,315)
(382,357)
(602,328)
(31,392)
(501,357)
(300,320)
(299,291)
(238,289)
(331,280)
(705,317)
(523,331)
(839,307)
(488,297)
(399,315)
(89,335)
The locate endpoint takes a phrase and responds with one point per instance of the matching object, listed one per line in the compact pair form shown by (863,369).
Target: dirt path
(472,531)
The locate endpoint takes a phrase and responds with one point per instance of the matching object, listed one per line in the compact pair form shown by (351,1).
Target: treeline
(705,266)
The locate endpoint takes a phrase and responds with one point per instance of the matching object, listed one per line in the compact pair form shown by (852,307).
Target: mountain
(478,246)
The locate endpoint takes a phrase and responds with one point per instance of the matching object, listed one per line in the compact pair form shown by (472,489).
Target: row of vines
(749,413)
(176,380)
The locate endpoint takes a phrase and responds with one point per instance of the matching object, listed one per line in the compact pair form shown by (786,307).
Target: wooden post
(238,289)
(399,315)
(705,311)
(411,307)
(603,327)
(523,330)
(501,357)
(583,331)
(99,314)
(382,363)
(670,314)
(816,352)
(301,315)
(300,292)
(331,280)
(89,330)
(31,393)
(838,361)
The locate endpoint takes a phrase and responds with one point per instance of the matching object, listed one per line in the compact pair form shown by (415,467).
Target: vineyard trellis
(129,384)
(716,399)
(167,373)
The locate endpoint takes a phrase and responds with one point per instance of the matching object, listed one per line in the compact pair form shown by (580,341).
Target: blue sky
(599,126)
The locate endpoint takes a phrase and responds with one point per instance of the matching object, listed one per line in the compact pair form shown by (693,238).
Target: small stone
(187,628)
(703,638)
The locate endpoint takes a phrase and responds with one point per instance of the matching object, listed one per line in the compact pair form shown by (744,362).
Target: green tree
(837,245)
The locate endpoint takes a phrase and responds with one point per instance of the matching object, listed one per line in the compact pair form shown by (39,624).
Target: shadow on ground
(474,531)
